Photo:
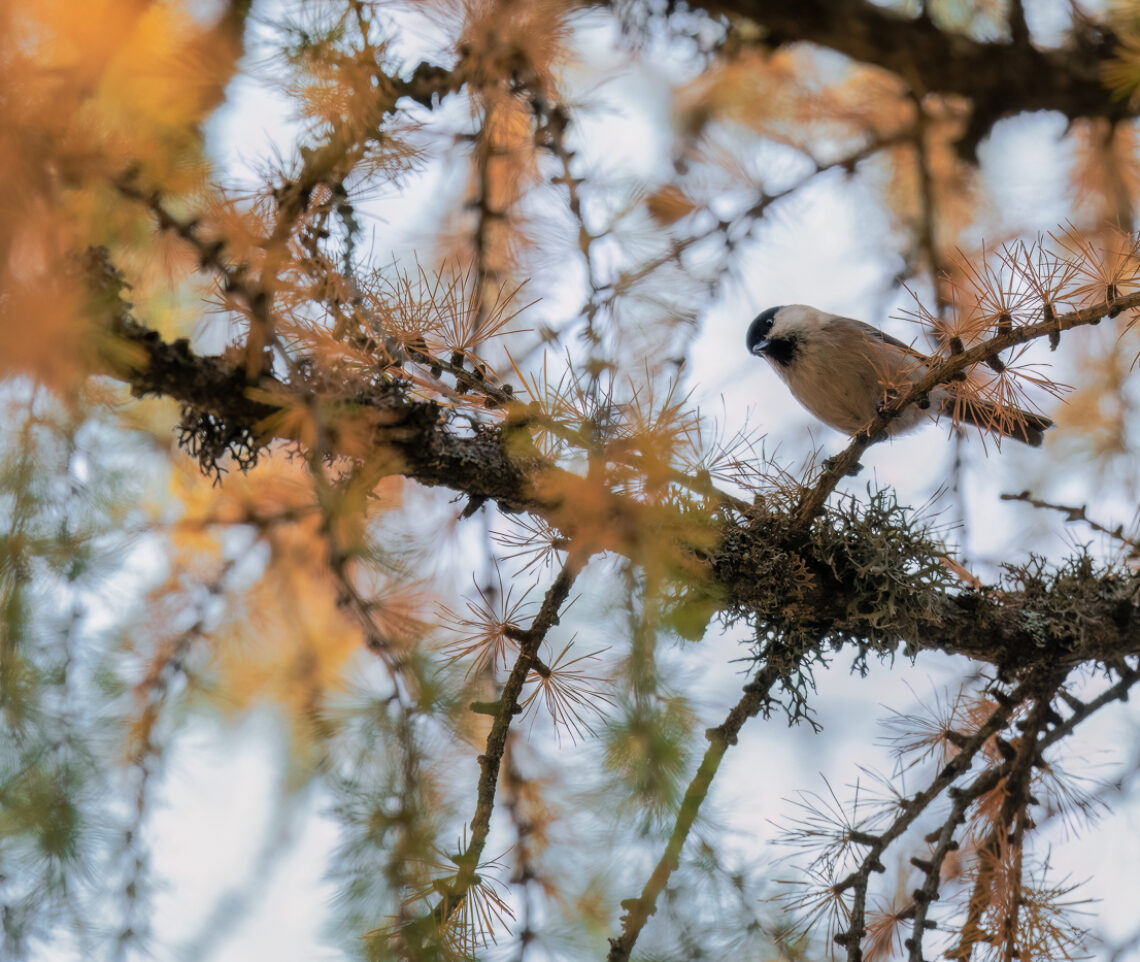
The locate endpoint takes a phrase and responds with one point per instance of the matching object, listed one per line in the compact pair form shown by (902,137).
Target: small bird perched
(843,371)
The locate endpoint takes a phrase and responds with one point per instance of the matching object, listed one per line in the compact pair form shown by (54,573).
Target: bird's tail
(1009,422)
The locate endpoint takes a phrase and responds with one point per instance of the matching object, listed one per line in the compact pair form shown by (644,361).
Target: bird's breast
(844,388)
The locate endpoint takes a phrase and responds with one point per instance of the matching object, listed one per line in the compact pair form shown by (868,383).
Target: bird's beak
(760,346)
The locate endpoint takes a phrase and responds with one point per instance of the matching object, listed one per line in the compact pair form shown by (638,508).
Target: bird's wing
(875,333)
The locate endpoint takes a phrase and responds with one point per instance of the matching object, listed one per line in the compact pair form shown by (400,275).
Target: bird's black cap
(758,330)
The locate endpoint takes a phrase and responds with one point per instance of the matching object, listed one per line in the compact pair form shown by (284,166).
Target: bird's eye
(761,326)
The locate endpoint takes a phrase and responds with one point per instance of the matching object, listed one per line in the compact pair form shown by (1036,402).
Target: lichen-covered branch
(755,554)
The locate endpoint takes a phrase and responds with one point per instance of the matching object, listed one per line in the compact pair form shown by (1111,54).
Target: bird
(844,371)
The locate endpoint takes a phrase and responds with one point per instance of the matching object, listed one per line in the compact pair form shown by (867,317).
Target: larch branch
(420,442)
(756,698)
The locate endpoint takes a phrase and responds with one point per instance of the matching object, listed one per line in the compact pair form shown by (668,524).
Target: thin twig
(732,227)
(1008,828)
(1080,513)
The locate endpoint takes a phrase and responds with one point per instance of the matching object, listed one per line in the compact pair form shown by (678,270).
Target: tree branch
(1015,627)
(756,698)
(1000,78)
(428,926)
(911,810)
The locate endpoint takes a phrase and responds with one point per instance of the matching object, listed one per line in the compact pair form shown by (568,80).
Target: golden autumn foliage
(92,91)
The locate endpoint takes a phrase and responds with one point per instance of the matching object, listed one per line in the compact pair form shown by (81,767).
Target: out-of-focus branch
(1000,77)
(756,698)
(1080,513)
(740,226)
(327,163)
(928,225)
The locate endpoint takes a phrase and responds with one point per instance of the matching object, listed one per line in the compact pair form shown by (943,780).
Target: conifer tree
(399,443)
